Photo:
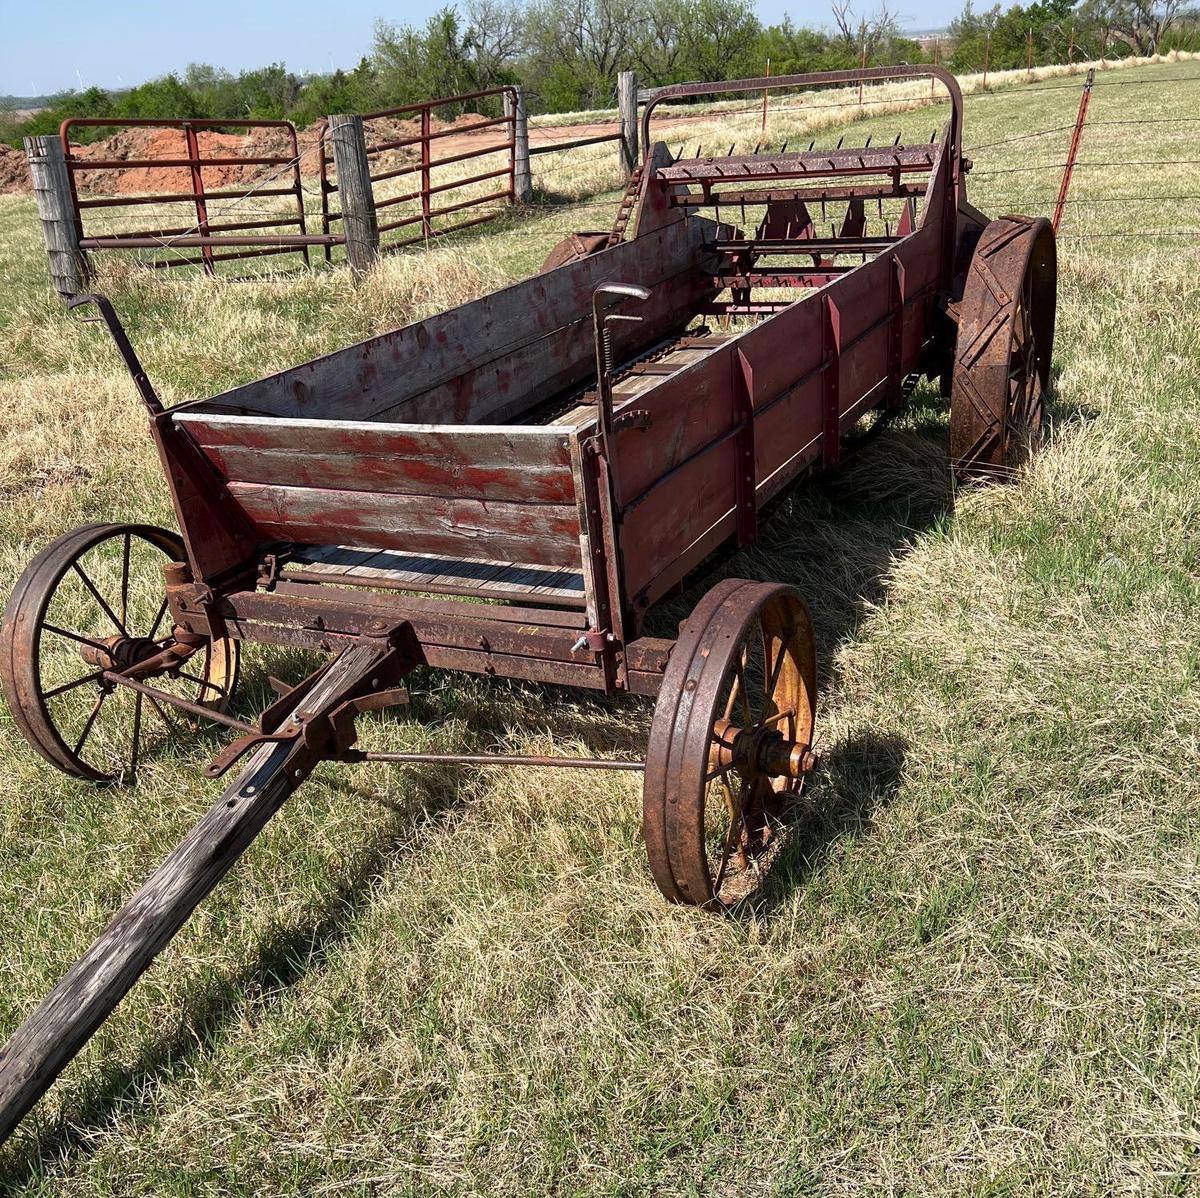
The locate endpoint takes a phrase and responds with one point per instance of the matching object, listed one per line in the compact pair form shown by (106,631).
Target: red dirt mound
(14,172)
(145,144)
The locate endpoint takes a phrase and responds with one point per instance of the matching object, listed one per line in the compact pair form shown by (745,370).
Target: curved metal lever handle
(124,347)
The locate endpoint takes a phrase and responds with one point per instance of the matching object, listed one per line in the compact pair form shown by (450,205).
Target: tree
(867,37)
(719,37)
(1140,25)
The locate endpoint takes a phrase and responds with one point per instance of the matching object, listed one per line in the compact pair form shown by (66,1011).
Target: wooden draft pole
(764,116)
(627,90)
(1073,152)
(359,221)
(46,1042)
(52,190)
(514,108)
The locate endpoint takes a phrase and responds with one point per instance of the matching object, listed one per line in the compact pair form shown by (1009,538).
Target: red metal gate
(281,177)
(423,140)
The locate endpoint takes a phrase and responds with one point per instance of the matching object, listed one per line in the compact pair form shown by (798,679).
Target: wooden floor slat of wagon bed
(391,569)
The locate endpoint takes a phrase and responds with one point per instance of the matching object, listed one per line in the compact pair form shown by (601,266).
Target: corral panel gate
(219,238)
(397,154)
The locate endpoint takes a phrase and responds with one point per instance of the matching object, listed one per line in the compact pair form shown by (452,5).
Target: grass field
(976,970)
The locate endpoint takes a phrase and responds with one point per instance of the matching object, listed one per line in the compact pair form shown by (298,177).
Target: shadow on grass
(854,782)
(283,954)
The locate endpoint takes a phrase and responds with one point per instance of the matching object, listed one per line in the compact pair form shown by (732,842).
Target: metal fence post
(359,221)
(514,106)
(627,103)
(52,191)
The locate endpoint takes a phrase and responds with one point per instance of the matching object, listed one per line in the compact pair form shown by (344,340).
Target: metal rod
(1073,153)
(573,763)
(196,709)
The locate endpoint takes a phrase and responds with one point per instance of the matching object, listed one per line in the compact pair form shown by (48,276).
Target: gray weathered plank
(366,567)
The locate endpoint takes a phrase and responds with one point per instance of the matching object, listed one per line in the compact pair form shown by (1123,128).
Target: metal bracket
(595,639)
(327,733)
(636,418)
(210,603)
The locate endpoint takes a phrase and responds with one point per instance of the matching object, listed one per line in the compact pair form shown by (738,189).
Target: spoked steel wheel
(730,741)
(92,603)
(1003,348)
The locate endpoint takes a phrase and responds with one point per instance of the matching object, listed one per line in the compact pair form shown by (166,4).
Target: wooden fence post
(354,187)
(52,191)
(627,91)
(514,105)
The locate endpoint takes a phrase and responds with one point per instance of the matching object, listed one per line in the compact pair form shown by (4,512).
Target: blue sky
(48,45)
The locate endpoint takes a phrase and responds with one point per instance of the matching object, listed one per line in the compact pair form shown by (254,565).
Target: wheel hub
(759,752)
(118,652)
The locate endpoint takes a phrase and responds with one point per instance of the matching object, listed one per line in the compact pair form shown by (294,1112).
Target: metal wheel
(1002,352)
(93,602)
(730,741)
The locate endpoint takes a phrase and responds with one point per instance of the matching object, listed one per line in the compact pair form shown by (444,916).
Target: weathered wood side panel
(507,385)
(510,464)
(688,411)
(378,375)
(541,534)
(677,478)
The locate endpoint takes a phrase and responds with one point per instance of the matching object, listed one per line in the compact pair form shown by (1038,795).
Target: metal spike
(867,143)
(898,135)
(811,144)
(840,140)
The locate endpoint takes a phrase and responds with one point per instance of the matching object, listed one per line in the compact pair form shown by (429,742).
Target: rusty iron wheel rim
(711,683)
(108,579)
(1003,349)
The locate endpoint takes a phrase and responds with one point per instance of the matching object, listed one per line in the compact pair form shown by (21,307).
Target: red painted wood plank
(542,534)
(384,474)
(679,509)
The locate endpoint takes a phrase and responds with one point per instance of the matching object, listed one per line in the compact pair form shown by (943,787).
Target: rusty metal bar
(427,214)
(196,709)
(438,103)
(213,227)
(183,197)
(1073,152)
(568,763)
(816,79)
(454,131)
(434,163)
(764,195)
(391,201)
(119,241)
(168,263)
(104,164)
